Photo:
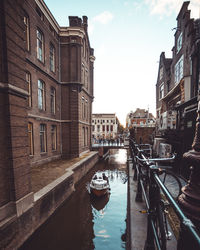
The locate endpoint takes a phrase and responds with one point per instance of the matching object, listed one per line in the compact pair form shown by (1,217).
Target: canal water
(84,222)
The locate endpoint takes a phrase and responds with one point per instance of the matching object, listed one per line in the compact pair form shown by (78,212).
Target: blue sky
(128,37)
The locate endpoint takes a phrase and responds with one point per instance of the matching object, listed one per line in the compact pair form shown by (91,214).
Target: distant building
(140,118)
(141,125)
(104,126)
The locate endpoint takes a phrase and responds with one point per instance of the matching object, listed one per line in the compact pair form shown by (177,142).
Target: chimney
(75,21)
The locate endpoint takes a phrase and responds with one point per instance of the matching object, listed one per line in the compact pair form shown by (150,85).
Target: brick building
(46,94)
(141,125)
(140,118)
(178,83)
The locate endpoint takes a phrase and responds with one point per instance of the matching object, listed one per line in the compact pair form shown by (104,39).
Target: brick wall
(15,167)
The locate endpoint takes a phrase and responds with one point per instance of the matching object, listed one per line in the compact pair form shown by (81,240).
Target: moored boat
(99,184)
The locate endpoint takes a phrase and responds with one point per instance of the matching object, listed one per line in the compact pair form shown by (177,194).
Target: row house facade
(104,126)
(141,125)
(140,118)
(178,84)
(46,94)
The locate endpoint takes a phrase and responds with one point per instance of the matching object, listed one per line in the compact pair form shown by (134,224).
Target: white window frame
(161,91)
(178,70)
(41,95)
(40,45)
(179,42)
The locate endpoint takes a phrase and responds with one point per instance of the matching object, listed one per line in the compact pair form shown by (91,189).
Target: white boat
(99,184)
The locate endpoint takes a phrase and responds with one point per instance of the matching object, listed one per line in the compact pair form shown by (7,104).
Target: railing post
(138,196)
(153,196)
(189,200)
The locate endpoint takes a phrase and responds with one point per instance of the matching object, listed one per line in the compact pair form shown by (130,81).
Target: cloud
(169,7)
(104,17)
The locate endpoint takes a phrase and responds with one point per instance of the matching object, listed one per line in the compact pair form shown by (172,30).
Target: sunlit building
(104,126)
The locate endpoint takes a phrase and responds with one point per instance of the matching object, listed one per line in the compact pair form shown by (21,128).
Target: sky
(128,37)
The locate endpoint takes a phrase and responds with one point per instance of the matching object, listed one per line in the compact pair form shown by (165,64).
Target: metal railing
(155,185)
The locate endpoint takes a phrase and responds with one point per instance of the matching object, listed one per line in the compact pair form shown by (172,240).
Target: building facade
(141,125)
(46,94)
(104,127)
(178,83)
(140,118)
(59,77)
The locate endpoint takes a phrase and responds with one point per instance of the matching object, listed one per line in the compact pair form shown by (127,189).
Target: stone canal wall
(46,201)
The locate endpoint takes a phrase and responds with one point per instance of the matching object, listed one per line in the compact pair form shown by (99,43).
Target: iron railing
(155,185)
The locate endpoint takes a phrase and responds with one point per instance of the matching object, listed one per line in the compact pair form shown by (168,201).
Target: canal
(84,222)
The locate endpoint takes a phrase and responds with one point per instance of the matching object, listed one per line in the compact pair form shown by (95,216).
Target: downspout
(59,79)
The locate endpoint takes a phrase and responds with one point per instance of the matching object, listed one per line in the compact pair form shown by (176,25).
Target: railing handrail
(183,219)
(152,160)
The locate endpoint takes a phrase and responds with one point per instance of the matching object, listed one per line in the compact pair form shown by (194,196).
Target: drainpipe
(59,79)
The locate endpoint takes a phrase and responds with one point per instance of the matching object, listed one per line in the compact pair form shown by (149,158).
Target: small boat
(99,184)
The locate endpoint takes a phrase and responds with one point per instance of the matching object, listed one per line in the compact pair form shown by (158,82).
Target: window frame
(53,100)
(40,45)
(42,90)
(27,30)
(43,138)
(53,137)
(178,70)
(31,138)
(179,42)
(29,83)
(161,90)
(52,57)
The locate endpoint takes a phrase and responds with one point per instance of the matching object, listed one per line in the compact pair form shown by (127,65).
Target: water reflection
(99,202)
(85,223)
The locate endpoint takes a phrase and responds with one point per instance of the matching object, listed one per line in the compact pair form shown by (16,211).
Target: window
(98,128)
(82,109)
(179,70)
(28,81)
(111,127)
(40,14)
(107,128)
(53,100)
(43,142)
(161,73)
(86,136)
(52,58)
(93,127)
(27,31)
(53,137)
(83,135)
(179,42)
(30,138)
(41,95)
(161,90)
(83,74)
(103,127)
(40,46)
